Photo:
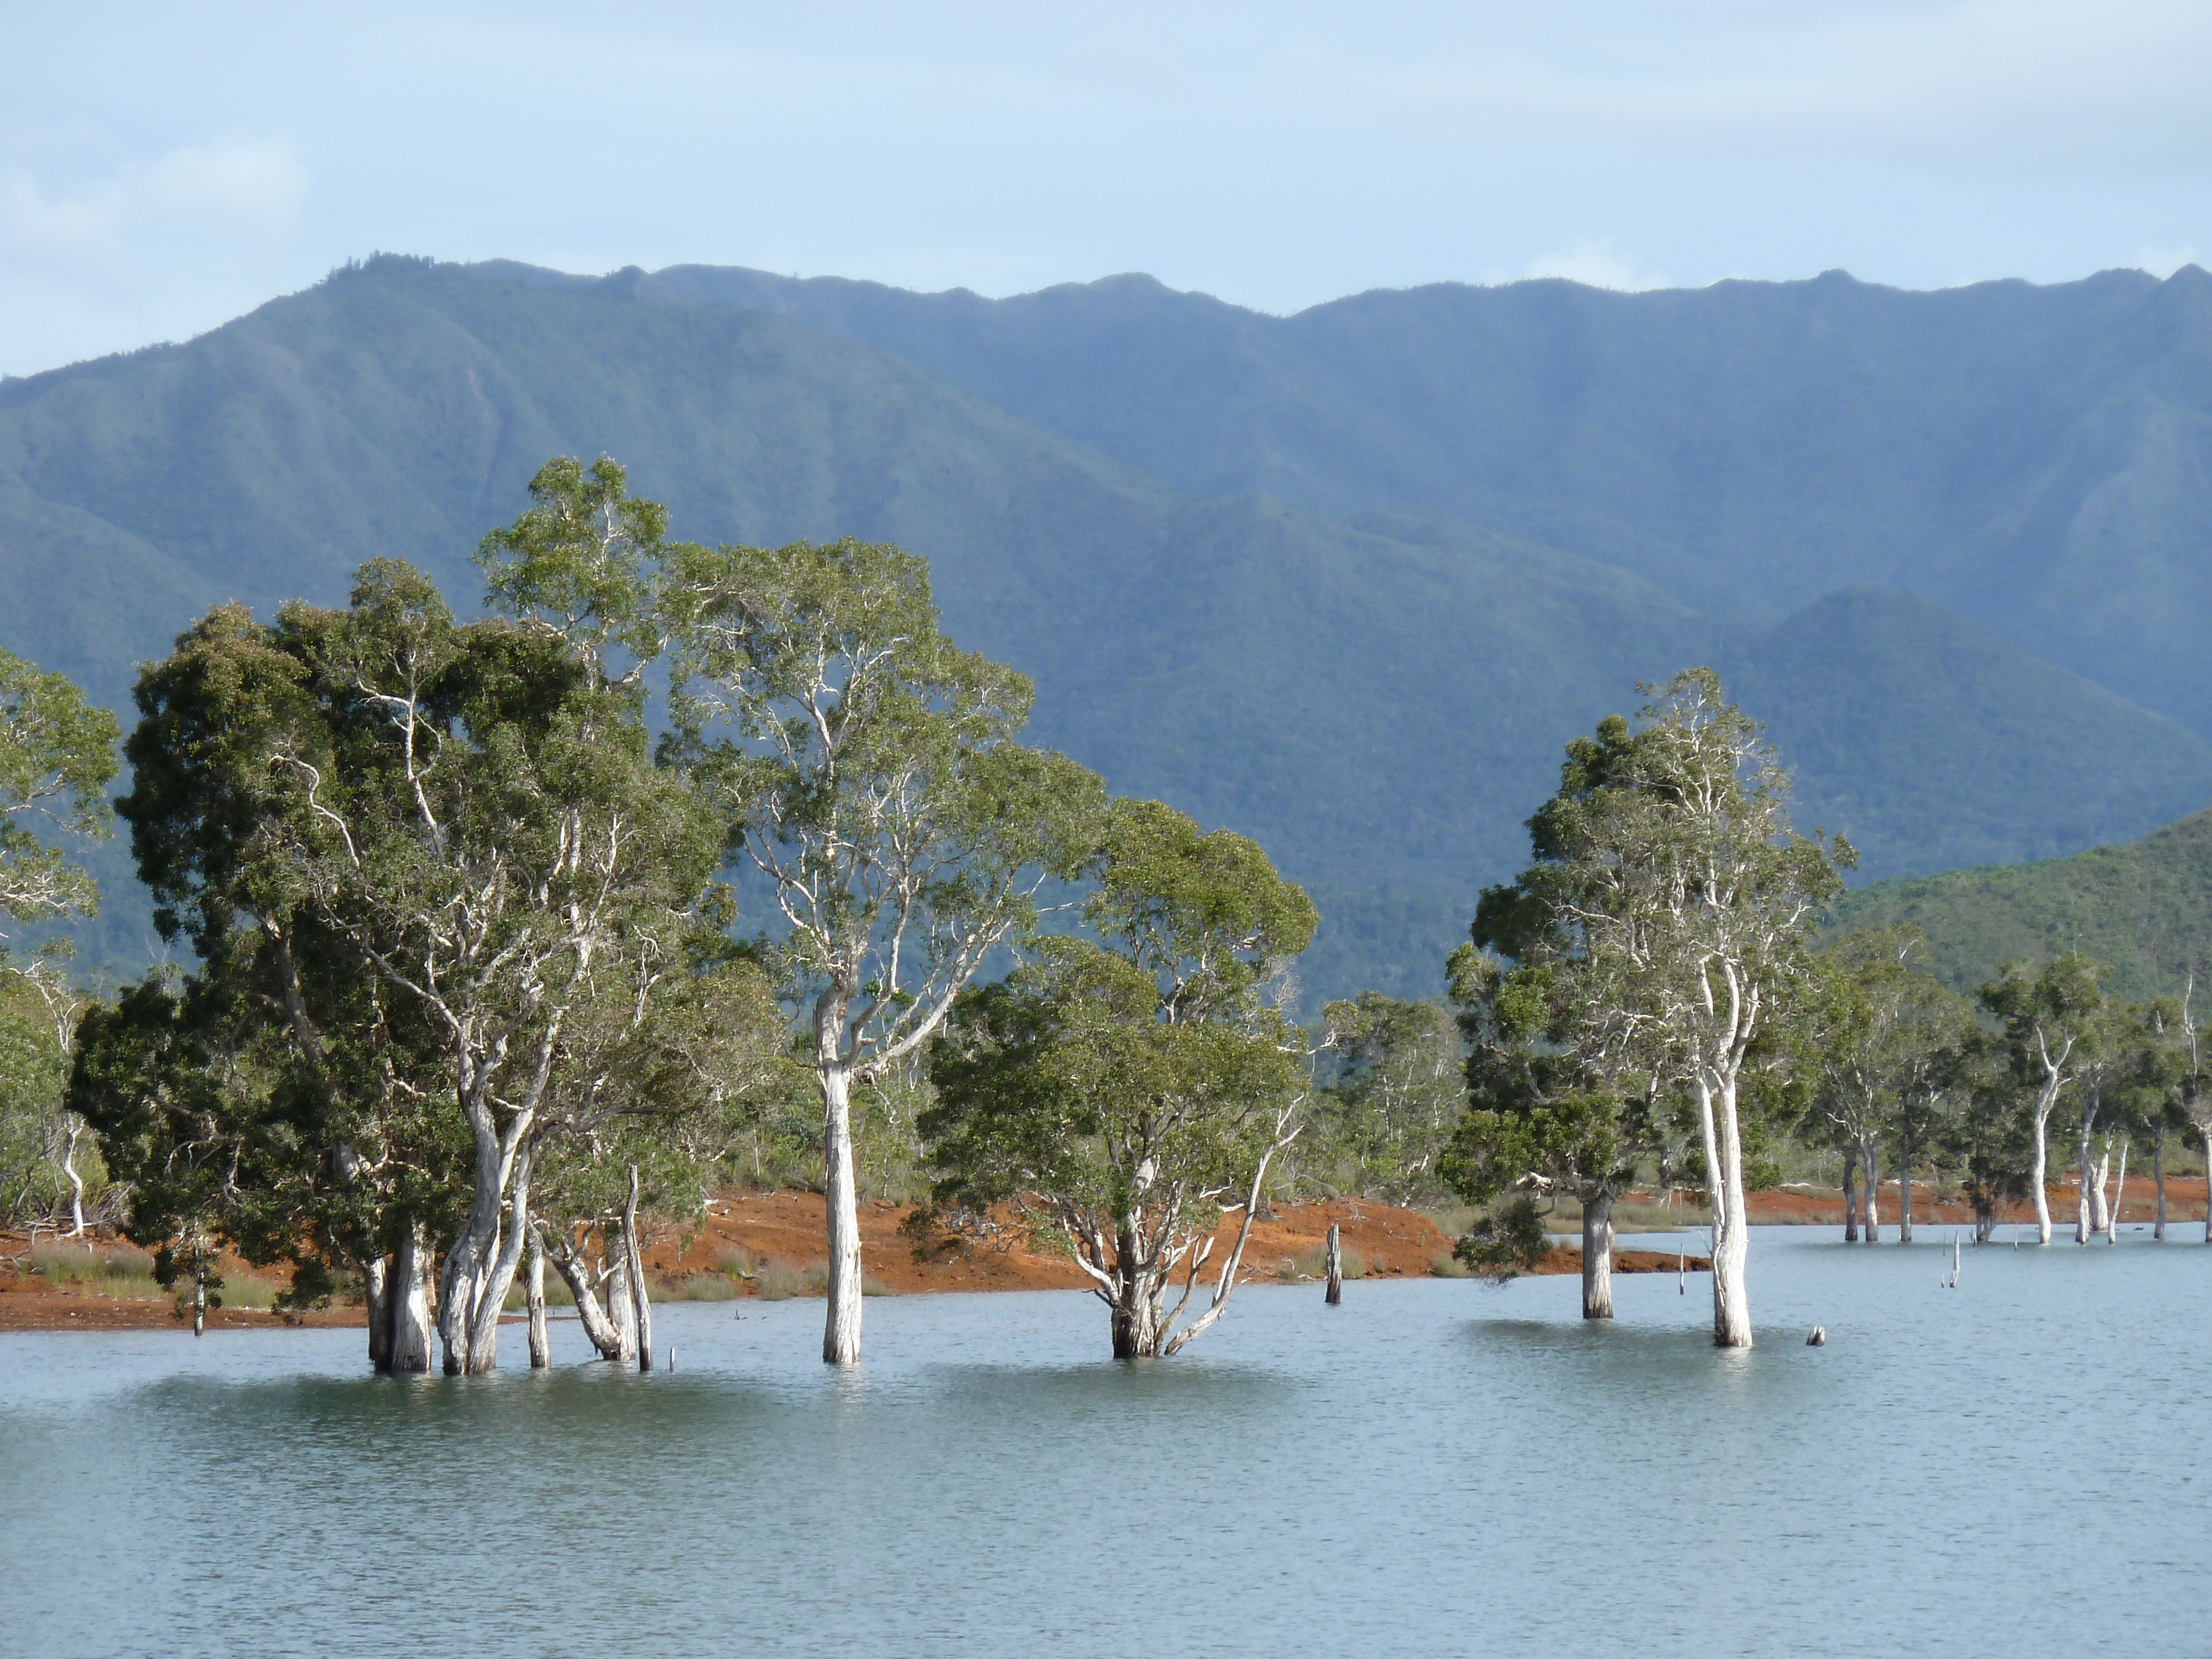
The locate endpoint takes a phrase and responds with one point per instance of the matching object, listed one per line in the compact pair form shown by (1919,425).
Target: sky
(166,167)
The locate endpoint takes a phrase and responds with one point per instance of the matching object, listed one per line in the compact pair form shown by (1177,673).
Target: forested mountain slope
(1379,698)
(2038,457)
(2144,908)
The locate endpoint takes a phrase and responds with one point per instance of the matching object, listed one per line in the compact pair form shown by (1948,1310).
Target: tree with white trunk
(869,775)
(1884,1046)
(1671,863)
(2049,1020)
(1123,1097)
(57,759)
(1384,1115)
(434,881)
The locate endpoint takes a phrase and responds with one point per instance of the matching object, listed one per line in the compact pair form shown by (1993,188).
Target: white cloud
(1596,264)
(227,190)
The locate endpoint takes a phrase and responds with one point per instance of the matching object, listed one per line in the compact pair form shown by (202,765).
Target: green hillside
(2144,907)
(2037,458)
(1380,700)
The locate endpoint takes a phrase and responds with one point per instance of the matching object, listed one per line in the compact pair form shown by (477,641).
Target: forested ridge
(2143,909)
(1336,582)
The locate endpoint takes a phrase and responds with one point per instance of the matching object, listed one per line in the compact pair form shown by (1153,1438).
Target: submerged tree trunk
(1597,1256)
(1139,1331)
(622,1308)
(409,1294)
(1335,1294)
(2036,1170)
(481,1267)
(1873,1165)
(2082,1184)
(2119,1197)
(577,1273)
(841,1334)
(541,1345)
(374,1278)
(1904,1193)
(641,1293)
(1850,1195)
(2100,1207)
(1731,1238)
(2157,1179)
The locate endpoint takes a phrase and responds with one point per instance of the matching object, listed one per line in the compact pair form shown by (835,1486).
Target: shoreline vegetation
(765,1246)
(481,988)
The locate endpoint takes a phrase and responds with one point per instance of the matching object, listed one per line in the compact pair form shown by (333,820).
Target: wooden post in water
(199,1302)
(1335,1267)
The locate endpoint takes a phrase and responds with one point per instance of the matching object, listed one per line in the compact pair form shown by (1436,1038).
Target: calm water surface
(2015,1467)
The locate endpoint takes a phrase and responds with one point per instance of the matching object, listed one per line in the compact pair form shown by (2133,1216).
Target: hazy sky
(164,166)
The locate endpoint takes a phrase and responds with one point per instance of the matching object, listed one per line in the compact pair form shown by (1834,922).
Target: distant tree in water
(1124,1095)
(1395,1084)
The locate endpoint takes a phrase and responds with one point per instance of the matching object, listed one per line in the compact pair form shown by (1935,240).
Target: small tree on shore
(1124,1095)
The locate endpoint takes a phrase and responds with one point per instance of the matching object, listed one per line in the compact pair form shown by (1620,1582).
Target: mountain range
(1345,581)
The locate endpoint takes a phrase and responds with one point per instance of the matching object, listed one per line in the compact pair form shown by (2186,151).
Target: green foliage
(1887,1049)
(57,757)
(35,1134)
(1380,1125)
(868,771)
(454,926)
(1654,949)
(2046,1014)
(1120,1091)
(2145,909)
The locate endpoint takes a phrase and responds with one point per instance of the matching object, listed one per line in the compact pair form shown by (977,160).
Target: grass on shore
(125,1273)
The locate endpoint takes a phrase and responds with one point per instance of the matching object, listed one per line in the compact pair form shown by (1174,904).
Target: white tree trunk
(1597,1256)
(2037,1170)
(375,1277)
(622,1308)
(75,1128)
(541,1343)
(1335,1294)
(1873,1166)
(2083,1227)
(641,1293)
(841,1335)
(409,1294)
(2119,1196)
(1138,1328)
(1717,1106)
(576,1273)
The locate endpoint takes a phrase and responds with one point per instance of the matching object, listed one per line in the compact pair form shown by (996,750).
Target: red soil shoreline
(787,1228)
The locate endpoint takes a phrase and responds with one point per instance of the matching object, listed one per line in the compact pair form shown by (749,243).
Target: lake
(1437,1467)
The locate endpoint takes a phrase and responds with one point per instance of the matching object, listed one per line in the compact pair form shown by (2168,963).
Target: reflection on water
(1436,1466)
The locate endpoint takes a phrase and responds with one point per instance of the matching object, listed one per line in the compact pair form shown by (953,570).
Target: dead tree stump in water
(1335,1267)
